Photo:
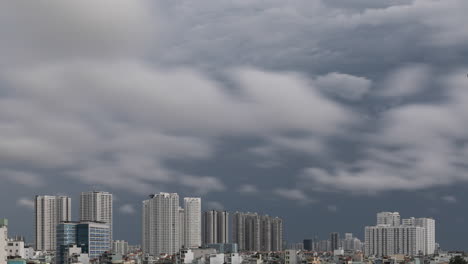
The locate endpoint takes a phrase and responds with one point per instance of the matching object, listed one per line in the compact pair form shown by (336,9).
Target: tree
(458,260)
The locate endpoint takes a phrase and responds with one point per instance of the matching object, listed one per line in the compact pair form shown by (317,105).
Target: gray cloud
(294,195)
(127,209)
(114,101)
(26,203)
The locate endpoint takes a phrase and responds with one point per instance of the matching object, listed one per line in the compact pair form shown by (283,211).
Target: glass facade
(93,239)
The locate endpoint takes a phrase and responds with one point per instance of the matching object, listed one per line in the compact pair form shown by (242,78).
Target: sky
(322,112)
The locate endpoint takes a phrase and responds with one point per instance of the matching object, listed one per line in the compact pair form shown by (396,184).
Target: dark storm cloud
(112,93)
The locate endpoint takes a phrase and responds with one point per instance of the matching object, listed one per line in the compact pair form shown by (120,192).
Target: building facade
(192,228)
(335,241)
(411,237)
(96,206)
(253,232)
(3,240)
(215,226)
(92,237)
(49,212)
(429,232)
(388,218)
(120,247)
(160,224)
(181,227)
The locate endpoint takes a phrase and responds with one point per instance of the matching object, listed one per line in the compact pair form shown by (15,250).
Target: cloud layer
(364,94)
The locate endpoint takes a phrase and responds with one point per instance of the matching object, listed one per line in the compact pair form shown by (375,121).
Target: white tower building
(192,210)
(429,232)
(160,224)
(181,227)
(413,237)
(3,240)
(388,218)
(49,212)
(96,206)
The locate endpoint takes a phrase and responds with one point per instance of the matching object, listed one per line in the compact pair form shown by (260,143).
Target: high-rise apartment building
(388,218)
(160,224)
(277,234)
(120,247)
(192,228)
(253,232)
(215,227)
(335,241)
(3,240)
(181,227)
(392,240)
(389,237)
(49,212)
(429,231)
(96,206)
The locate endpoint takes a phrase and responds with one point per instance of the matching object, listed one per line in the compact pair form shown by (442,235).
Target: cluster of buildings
(348,243)
(168,227)
(395,236)
(174,230)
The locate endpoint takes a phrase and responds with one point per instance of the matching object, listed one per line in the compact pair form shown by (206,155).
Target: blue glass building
(92,237)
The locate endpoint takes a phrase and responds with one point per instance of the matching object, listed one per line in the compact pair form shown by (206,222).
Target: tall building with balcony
(160,224)
(215,226)
(96,206)
(414,236)
(192,228)
(49,211)
(253,232)
(3,240)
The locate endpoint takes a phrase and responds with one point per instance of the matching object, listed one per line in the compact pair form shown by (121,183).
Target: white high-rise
(181,227)
(429,231)
(96,206)
(412,237)
(3,240)
(192,228)
(120,247)
(160,224)
(391,240)
(49,212)
(388,218)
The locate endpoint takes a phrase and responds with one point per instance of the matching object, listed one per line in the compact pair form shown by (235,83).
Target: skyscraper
(429,231)
(277,234)
(388,218)
(415,236)
(215,227)
(96,206)
(253,232)
(308,244)
(49,212)
(391,240)
(192,228)
(160,224)
(181,227)
(3,240)
(335,241)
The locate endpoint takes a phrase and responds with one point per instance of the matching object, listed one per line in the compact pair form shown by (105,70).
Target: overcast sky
(322,112)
